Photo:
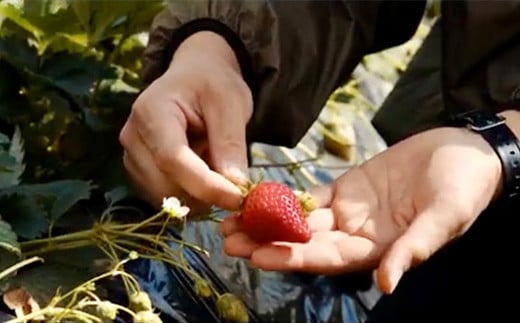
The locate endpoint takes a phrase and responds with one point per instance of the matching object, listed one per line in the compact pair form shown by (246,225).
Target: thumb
(431,229)
(226,128)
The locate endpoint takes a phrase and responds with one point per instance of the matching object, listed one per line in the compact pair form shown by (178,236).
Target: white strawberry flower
(173,207)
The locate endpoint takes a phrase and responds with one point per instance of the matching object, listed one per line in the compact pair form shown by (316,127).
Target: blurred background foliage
(69,76)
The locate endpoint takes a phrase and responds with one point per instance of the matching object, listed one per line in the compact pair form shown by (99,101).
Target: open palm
(392,212)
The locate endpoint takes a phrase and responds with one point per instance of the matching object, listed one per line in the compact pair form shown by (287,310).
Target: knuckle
(124,136)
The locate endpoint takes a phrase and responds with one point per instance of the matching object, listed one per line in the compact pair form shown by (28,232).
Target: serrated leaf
(58,196)
(28,219)
(7,166)
(8,239)
(4,139)
(16,151)
(67,193)
(11,161)
(116,194)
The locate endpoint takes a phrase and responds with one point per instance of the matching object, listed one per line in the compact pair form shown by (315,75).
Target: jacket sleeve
(293,54)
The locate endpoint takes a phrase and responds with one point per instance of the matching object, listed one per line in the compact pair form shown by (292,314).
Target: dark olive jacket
(294,54)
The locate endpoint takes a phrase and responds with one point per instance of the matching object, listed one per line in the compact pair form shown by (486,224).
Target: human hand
(185,136)
(391,213)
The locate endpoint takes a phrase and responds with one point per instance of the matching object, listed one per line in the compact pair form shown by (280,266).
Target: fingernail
(235,174)
(395,277)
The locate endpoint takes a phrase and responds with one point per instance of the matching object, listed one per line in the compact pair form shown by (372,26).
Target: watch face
(481,120)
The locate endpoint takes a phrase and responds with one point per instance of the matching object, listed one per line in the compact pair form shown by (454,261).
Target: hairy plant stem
(119,307)
(55,311)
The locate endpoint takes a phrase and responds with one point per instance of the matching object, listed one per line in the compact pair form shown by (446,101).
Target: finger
(230,225)
(148,179)
(142,170)
(318,220)
(166,138)
(239,245)
(327,253)
(226,122)
(321,220)
(431,229)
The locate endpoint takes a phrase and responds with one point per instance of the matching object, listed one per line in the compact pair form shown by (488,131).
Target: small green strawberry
(140,301)
(231,309)
(146,317)
(107,310)
(272,212)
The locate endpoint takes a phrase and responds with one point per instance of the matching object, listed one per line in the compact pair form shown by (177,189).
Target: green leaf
(116,194)
(4,139)
(142,15)
(73,73)
(17,150)
(8,239)
(28,219)
(59,195)
(11,162)
(67,193)
(8,11)
(17,52)
(30,207)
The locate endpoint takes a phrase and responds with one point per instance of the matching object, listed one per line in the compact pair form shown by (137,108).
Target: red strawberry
(272,212)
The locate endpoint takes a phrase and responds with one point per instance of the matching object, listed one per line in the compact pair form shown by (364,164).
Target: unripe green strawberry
(202,288)
(106,310)
(147,317)
(231,309)
(272,212)
(140,301)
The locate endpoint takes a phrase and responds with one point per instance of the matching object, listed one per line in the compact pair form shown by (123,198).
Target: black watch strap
(495,131)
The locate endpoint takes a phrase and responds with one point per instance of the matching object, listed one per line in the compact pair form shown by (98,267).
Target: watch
(493,128)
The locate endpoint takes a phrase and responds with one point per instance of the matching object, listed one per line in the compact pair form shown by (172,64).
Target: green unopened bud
(202,288)
(140,301)
(231,309)
(106,310)
(133,255)
(146,317)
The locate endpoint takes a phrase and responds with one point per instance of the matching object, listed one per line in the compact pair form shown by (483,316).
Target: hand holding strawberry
(390,213)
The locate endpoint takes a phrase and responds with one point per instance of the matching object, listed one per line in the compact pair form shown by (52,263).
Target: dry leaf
(21,302)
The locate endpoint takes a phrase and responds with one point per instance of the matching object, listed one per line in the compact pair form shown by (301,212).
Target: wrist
(206,45)
(496,169)
(500,132)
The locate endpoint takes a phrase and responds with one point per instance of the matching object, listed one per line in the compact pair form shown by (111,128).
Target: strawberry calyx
(307,202)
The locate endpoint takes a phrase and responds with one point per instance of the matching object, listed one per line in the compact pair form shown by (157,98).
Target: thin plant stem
(18,266)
